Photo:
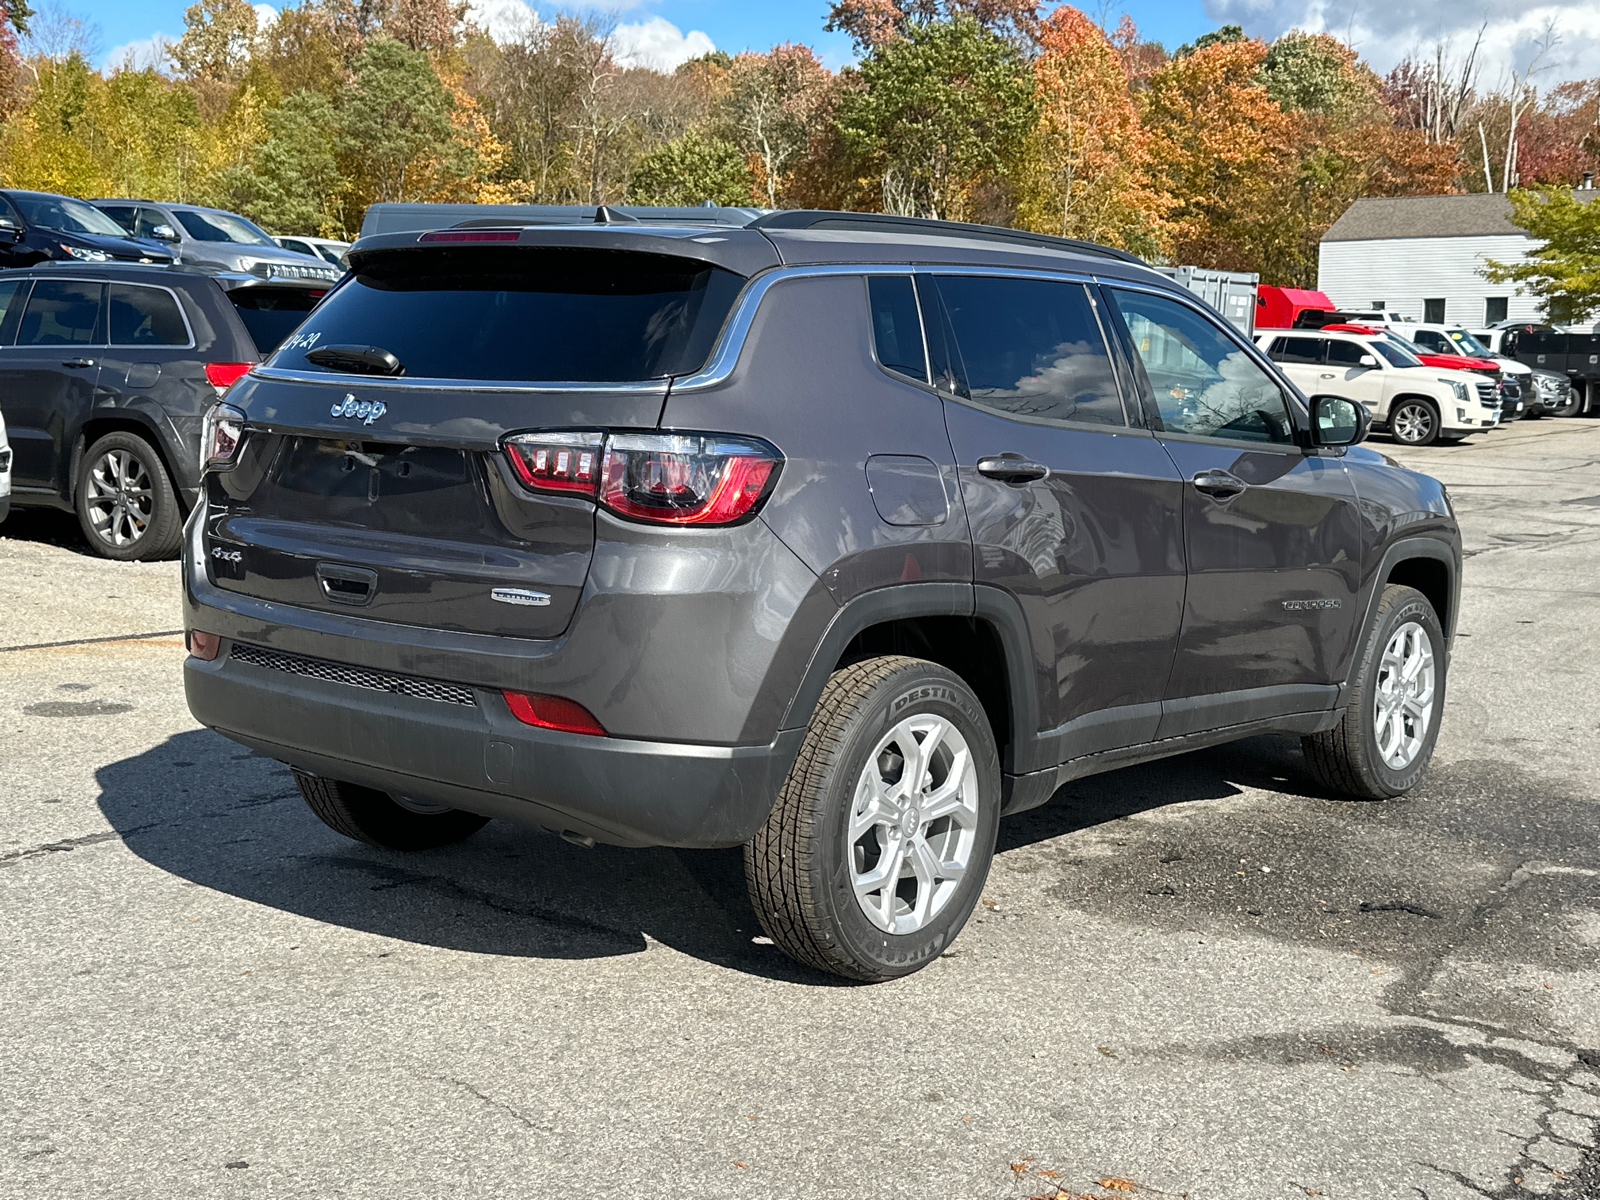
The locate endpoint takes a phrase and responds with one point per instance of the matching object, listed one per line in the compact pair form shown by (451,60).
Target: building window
(1378,306)
(1433,312)
(1494,310)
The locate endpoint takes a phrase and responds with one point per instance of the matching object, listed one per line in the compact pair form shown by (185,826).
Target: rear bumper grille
(361,677)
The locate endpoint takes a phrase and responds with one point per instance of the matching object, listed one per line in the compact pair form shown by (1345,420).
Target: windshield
(1395,350)
(222,227)
(526,313)
(72,216)
(1469,345)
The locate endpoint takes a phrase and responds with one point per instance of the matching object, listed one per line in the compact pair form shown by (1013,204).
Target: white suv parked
(1416,404)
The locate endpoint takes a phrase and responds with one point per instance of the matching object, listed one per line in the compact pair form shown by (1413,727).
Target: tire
(374,817)
(1414,422)
(805,871)
(1349,759)
(125,501)
(1572,408)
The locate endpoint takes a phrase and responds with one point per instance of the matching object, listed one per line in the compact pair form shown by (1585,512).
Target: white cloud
(1385,31)
(660,44)
(152,51)
(503,20)
(266,16)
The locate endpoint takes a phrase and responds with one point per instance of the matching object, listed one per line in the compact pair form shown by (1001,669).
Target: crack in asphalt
(511,1112)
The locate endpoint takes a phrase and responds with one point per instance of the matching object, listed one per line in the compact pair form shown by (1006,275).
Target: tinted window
(122,214)
(1296,350)
(271,314)
(1395,355)
(1032,348)
(146,221)
(538,314)
(8,311)
(61,312)
(145,316)
(896,326)
(1346,354)
(1429,340)
(1202,380)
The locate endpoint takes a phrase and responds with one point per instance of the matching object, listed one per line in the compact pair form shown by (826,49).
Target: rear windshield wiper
(363,360)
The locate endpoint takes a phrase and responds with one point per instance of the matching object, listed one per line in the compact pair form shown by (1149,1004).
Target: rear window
(535,314)
(271,314)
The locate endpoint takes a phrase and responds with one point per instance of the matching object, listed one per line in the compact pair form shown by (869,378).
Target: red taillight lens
(552,712)
(664,478)
(222,376)
(471,235)
(203,646)
(221,433)
(686,479)
(557,461)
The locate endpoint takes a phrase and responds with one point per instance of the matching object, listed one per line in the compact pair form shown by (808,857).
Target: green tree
(1225,36)
(394,125)
(769,110)
(293,183)
(1564,271)
(1316,73)
(946,110)
(690,170)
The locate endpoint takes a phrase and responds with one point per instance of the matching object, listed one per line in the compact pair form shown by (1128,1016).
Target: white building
(1422,256)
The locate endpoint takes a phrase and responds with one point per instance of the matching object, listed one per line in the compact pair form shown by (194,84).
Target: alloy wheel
(913,823)
(1403,705)
(1413,423)
(121,501)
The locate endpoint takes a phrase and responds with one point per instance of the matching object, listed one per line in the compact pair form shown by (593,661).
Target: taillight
(220,435)
(222,376)
(681,479)
(662,478)
(552,712)
(557,462)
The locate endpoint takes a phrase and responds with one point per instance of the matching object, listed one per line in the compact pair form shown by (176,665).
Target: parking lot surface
(1199,975)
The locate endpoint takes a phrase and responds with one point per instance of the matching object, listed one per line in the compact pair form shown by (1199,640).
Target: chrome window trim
(106,299)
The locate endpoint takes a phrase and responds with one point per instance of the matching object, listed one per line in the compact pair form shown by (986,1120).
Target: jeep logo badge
(365,411)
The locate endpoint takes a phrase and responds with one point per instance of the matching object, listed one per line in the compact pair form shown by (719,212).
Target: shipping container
(1231,293)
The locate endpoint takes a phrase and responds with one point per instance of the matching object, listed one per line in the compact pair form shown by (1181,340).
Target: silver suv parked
(216,240)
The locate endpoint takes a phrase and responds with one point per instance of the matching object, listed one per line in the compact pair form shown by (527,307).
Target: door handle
(1012,468)
(1219,484)
(347,585)
(1328,375)
(78,362)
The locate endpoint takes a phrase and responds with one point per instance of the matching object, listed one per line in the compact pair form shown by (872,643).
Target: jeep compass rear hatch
(372,477)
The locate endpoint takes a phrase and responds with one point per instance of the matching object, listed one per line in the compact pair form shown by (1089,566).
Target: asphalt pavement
(1201,976)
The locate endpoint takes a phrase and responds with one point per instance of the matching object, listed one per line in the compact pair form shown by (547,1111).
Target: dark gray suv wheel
(879,844)
(126,502)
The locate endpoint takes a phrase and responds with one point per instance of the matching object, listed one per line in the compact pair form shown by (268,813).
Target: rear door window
(271,314)
(534,314)
(1346,354)
(63,312)
(1296,350)
(12,293)
(145,316)
(1032,348)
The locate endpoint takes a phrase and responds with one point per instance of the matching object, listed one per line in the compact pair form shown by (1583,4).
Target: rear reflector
(471,235)
(552,712)
(203,646)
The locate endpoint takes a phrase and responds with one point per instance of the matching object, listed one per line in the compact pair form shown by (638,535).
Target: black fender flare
(931,599)
(1398,551)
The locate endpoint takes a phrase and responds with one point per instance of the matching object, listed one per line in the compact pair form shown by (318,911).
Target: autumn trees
(1229,152)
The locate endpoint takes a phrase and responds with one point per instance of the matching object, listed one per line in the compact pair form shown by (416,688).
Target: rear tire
(1414,423)
(125,501)
(371,816)
(862,869)
(1385,738)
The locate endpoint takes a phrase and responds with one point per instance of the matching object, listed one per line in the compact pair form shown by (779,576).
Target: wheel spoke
(950,796)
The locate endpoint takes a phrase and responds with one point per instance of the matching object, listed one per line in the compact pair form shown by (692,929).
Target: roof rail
(889,223)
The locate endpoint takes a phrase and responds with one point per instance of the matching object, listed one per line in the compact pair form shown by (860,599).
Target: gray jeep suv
(837,537)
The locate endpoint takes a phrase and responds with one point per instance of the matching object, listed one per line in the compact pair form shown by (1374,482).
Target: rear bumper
(480,758)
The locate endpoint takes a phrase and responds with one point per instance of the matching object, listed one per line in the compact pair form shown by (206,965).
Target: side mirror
(164,233)
(1336,421)
(1368,360)
(9,231)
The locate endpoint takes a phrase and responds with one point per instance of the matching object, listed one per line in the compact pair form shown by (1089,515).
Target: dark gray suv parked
(835,537)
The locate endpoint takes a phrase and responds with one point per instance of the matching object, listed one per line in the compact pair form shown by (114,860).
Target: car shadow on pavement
(222,817)
(48,526)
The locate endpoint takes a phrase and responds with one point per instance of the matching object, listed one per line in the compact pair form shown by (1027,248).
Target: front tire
(376,818)
(1572,408)
(1414,423)
(125,501)
(1385,738)
(880,841)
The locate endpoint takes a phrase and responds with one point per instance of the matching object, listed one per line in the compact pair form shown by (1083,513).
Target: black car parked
(106,373)
(835,537)
(40,227)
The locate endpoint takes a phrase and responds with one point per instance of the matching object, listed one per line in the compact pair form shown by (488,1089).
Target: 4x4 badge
(365,411)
